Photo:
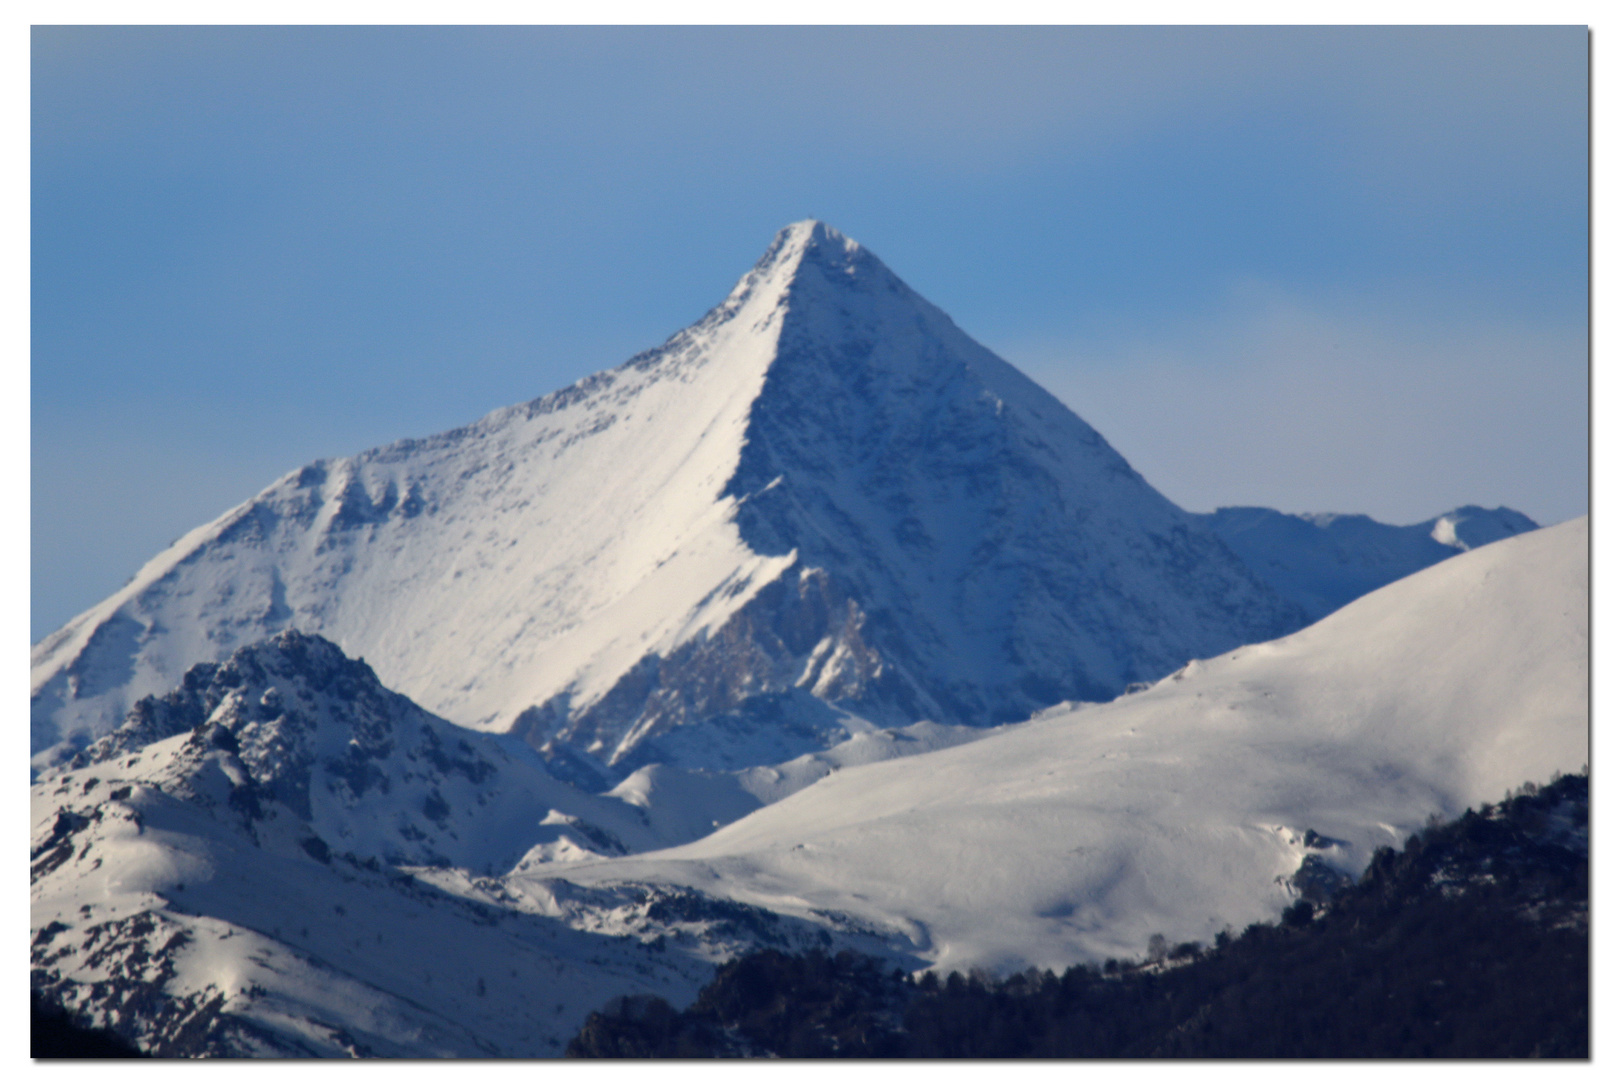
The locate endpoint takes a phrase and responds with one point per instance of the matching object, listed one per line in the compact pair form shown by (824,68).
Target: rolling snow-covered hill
(820,508)
(1193,804)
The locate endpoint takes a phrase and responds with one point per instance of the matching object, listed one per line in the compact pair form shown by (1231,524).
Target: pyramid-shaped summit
(822,506)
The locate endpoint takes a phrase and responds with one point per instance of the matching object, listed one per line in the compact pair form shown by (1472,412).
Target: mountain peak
(812,230)
(821,506)
(813,237)
(803,259)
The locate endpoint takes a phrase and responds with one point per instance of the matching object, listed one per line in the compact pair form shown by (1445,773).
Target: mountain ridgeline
(1324,561)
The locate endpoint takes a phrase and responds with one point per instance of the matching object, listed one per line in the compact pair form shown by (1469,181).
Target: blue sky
(1315,269)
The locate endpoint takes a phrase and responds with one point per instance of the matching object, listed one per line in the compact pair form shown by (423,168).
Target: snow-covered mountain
(1196,803)
(820,508)
(313,752)
(238,887)
(1324,561)
(291,734)
(250,866)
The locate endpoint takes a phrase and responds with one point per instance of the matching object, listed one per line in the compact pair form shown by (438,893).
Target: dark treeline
(1470,942)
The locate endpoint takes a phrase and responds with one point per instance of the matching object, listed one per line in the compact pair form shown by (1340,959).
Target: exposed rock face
(820,507)
(782,675)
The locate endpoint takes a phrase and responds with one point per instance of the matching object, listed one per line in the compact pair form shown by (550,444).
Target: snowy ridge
(1187,807)
(512,538)
(1324,561)
(819,508)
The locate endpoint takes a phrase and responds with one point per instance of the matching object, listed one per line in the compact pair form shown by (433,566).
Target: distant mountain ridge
(1324,561)
(820,508)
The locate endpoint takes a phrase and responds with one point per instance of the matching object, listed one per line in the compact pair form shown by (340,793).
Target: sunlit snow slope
(1186,807)
(820,507)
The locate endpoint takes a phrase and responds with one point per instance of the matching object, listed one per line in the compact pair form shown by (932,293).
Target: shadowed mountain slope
(1324,561)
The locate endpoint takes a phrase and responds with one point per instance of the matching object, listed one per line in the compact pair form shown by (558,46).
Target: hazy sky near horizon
(1315,269)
